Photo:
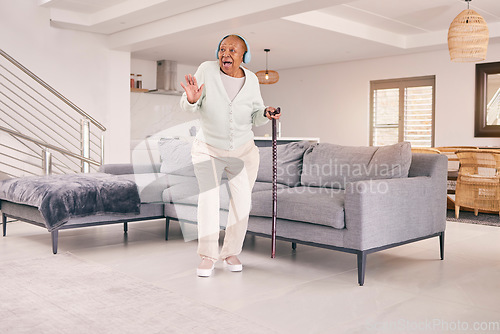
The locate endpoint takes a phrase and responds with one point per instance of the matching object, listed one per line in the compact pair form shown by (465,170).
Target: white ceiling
(298,32)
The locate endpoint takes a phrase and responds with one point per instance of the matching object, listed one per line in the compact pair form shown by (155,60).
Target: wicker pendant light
(468,37)
(267,77)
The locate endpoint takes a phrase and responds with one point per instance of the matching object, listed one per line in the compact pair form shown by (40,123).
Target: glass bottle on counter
(138,81)
(132,80)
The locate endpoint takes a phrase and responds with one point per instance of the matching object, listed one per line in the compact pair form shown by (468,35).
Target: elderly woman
(227,97)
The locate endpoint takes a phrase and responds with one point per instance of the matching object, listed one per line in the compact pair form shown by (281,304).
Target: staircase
(41,131)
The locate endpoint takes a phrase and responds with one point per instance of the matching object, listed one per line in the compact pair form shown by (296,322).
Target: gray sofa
(352,199)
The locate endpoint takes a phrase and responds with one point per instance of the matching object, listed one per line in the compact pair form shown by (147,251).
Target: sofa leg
(441,245)
(54,235)
(294,245)
(167,225)
(4,224)
(125,227)
(361,267)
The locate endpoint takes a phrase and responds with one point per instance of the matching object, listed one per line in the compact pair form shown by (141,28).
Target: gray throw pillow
(289,163)
(175,157)
(392,161)
(332,166)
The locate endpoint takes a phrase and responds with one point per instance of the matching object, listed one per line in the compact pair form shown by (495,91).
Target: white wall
(79,65)
(332,101)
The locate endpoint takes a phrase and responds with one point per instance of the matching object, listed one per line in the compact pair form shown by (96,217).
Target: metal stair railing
(35,121)
(47,149)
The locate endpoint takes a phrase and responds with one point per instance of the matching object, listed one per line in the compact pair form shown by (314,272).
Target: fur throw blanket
(60,197)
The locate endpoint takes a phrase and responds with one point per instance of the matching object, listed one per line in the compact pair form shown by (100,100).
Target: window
(402,110)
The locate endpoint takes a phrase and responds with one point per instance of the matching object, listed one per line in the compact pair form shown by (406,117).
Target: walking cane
(275,189)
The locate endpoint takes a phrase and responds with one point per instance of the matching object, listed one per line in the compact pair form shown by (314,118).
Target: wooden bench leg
(441,245)
(361,267)
(4,224)
(54,235)
(167,225)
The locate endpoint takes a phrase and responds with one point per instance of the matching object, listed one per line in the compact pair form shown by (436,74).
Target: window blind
(402,110)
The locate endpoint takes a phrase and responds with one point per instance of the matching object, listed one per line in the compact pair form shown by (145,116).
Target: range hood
(166,78)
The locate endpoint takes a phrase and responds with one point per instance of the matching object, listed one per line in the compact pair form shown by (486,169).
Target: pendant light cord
(267,54)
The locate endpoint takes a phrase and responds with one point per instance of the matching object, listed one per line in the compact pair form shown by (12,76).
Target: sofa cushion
(332,166)
(289,164)
(260,186)
(187,193)
(175,155)
(151,185)
(320,206)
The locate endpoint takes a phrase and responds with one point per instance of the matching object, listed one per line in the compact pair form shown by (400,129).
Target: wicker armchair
(453,164)
(478,182)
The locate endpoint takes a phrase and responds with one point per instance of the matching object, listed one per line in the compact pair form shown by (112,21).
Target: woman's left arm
(263,115)
(259,116)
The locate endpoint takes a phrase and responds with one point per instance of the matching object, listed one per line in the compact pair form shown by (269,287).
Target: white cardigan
(225,124)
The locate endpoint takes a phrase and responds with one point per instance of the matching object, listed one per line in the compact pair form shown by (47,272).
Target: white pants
(241,166)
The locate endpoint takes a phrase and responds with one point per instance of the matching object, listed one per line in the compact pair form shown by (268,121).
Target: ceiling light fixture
(267,77)
(468,37)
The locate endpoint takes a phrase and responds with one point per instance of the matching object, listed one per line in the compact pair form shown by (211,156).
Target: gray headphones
(247,56)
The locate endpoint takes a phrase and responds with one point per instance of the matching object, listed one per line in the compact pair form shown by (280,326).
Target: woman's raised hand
(193,92)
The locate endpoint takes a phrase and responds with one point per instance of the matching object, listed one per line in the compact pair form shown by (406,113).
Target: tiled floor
(407,289)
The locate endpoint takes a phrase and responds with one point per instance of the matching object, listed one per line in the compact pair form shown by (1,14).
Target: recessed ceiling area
(298,32)
(81,6)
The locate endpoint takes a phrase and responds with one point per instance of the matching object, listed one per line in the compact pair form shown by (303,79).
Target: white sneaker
(233,267)
(206,268)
